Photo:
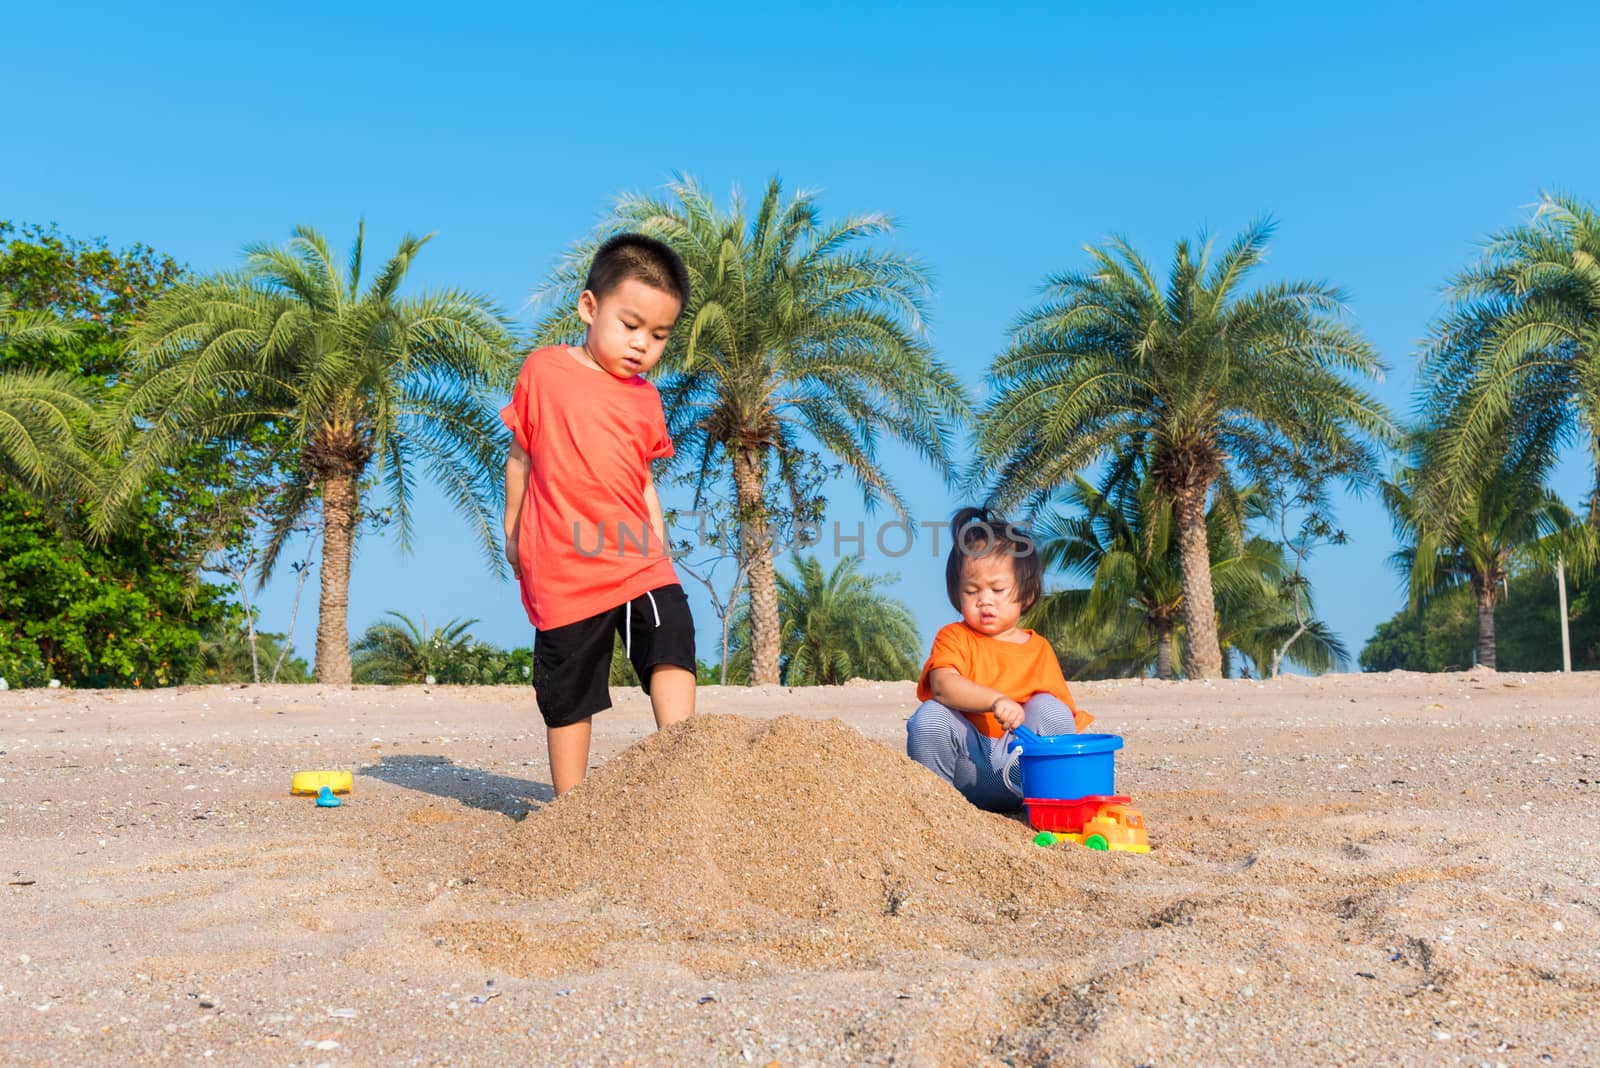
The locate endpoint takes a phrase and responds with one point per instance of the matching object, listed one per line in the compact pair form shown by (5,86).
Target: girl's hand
(512,557)
(1007,712)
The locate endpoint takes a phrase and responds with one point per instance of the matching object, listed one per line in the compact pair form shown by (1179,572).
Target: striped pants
(984,769)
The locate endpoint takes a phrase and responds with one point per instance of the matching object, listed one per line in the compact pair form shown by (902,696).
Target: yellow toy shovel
(312,782)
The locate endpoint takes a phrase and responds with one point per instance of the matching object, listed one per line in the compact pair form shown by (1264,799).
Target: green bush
(126,612)
(1527,636)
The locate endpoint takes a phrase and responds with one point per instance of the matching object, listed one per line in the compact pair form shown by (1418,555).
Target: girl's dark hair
(977,532)
(642,258)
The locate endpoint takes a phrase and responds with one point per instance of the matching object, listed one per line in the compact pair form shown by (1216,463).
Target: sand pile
(805,818)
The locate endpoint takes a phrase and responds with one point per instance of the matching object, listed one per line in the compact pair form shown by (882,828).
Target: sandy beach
(1396,869)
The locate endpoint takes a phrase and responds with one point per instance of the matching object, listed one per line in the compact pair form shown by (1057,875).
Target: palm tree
(1479,543)
(351,377)
(796,338)
(837,627)
(1197,376)
(42,413)
(226,654)
(1256,617)
(405,652)
(1515,366)
(1122,540)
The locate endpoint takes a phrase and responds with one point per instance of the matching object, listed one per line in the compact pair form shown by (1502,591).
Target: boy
(584,529)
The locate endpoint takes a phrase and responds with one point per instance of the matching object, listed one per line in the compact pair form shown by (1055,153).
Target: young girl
(987,676)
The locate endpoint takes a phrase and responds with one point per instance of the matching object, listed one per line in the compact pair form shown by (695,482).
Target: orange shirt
(585,543)
(1017,669)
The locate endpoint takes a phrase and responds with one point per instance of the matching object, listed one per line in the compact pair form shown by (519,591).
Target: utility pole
(1561,599)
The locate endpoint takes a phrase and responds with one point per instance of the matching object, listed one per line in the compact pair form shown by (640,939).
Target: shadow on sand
(443,777)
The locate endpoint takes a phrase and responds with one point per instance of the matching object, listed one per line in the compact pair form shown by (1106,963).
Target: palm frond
(43,418)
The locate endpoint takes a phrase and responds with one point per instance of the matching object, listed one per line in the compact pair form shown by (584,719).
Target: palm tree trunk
(1164,653)
(1202,653)
(333,628)
(757,546)
(1486,601)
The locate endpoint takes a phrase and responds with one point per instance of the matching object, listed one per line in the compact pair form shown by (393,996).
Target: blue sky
(1387,140)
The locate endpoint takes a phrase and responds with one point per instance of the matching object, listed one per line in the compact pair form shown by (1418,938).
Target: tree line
(1173,434)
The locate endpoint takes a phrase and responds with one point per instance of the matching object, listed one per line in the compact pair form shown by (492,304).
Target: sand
(1398,869)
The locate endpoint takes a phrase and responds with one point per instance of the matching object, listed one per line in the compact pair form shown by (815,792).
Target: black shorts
(572,664)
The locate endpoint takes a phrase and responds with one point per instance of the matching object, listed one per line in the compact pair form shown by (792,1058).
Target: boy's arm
(658,521)
(518,465)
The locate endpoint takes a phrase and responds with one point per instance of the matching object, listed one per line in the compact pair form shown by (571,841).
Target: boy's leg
(947,744)
(570,666)
(569,754)
(657,631)
(671,694)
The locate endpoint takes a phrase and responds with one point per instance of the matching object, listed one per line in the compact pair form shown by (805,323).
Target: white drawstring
(627,623)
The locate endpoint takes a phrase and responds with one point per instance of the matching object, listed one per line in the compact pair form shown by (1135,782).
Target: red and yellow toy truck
(1099,821)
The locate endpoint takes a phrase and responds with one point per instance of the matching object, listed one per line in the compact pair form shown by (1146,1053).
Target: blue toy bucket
(1067,766)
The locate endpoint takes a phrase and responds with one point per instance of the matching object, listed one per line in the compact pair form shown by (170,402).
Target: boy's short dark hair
(642,258)
(977,532)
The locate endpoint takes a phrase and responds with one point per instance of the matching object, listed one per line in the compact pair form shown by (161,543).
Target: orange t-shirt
(1017,669)
(585,543)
